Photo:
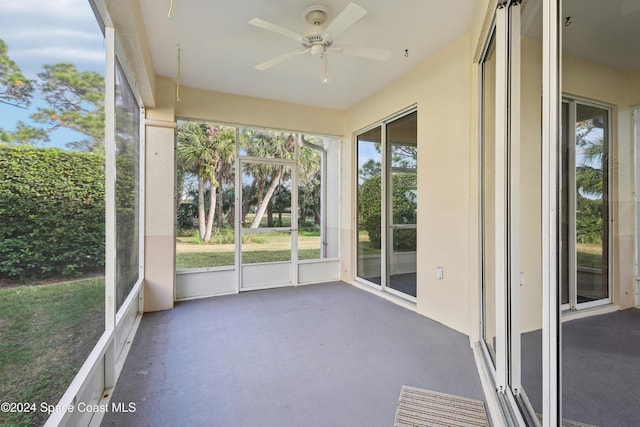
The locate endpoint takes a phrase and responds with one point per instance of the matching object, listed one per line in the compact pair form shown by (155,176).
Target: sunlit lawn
(46,333)
(268,247)
(589,255)
(364,245)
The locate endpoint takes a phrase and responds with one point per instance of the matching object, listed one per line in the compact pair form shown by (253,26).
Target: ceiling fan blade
(363,52)
(278,59)
(347,17)
(266,25)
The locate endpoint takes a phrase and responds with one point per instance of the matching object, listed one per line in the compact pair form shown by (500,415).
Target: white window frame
(507,361)
(384,214)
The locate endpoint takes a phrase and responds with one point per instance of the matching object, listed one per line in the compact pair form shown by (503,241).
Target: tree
(76,102)
(15,88)
(309,183)
(204,149)
(590,180)
(270,145)
(370,168)
(24,134)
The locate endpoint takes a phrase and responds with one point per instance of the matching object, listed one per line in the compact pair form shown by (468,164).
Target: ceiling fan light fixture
(317,49)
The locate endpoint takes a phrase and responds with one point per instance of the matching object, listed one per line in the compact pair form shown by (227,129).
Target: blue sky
(40,32)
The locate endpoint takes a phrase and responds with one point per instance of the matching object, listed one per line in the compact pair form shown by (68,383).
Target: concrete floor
(316,355)
(600,369)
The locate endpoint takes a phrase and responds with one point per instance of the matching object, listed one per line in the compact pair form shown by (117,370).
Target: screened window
(127,187)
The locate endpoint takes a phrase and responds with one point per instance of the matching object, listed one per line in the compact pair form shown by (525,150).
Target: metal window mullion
(110,202)
(551,100)
(572,262)
(607,165)
(384,191)
(636,169)
(269,160)
(514,199)
(323,203)
(238,215)
(294,215)
(501,201)
(141,207)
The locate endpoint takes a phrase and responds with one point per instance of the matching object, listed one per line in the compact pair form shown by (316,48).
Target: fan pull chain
(179,73)
(170,9)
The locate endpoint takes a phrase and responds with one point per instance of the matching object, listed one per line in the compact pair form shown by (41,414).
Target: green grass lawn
(221,259)
(46,333)
(263,247)
(589,255)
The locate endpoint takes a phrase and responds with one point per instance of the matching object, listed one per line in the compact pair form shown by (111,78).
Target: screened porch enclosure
(266,214)
(511,262)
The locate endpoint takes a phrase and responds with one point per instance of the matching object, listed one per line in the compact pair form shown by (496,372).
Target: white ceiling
(603,31)
(219,49)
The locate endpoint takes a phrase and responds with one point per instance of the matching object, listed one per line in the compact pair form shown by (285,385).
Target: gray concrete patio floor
(315,355)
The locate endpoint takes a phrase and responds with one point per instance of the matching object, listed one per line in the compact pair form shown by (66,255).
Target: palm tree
(204,150)
(266,144)
(309,165)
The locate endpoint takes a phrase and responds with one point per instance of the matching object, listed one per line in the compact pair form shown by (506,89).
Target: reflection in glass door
(584,210)
(402,167)
(369,217)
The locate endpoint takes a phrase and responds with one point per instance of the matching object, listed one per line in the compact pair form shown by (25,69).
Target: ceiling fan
(318,39)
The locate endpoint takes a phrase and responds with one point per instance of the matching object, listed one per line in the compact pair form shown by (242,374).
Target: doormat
(425,408)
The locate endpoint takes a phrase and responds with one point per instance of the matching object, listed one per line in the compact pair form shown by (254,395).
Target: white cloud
(38,35)
(40,32)
(59,9)
(56,54)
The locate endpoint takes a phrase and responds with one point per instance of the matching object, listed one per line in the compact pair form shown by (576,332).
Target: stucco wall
(441,88)
(160,204)
(243,110)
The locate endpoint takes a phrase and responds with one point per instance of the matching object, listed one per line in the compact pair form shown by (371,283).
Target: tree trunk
(265,201)
(303,215)
(220,202)
(232,215)
(201,212)
(270,214)
(316,216)
(245,202)
(212,209)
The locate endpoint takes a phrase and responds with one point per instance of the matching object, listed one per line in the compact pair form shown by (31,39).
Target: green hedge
(405,207)
(52,212)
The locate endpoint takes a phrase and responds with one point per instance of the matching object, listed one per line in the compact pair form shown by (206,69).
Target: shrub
(404,210)
(187,213)
(52,209)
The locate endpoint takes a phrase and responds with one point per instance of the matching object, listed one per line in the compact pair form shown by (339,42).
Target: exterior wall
(441,88)
(531,185)
(160,201)
(160,276)
(242,110)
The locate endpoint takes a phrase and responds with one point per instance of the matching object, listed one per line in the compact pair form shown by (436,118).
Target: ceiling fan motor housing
(314,37)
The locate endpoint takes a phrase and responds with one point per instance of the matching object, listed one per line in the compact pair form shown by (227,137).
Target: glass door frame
(572,263)
(386,201)
(505,372)
(240,231)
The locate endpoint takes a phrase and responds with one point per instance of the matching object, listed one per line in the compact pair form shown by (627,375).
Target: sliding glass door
(387,205)
(584,210)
